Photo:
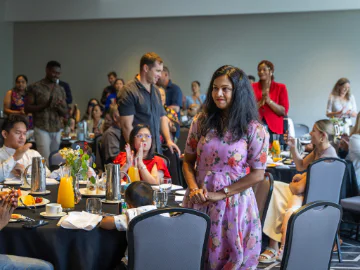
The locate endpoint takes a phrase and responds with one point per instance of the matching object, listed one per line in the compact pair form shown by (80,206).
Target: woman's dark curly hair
(242,109)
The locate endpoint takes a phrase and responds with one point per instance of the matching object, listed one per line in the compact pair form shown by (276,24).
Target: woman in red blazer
(272,99)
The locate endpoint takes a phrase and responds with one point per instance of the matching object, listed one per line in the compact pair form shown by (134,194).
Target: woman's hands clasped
(202,196)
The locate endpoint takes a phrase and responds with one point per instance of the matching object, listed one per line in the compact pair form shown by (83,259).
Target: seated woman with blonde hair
(141,150)
(287,198)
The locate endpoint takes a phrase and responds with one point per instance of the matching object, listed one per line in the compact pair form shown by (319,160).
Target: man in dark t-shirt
(140,103)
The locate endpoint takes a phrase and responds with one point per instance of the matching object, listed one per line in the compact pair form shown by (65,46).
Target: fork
(28,207)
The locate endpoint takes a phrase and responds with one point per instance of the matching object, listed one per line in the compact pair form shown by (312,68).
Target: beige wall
(310,51)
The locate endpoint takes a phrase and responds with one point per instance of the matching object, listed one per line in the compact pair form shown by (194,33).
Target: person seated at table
(110,141)
(8,203)
(74,117)
(139,199)
(286,198)
(354,149)
(16,154)
(196,97)
(91,104)
(140,149)
(95,124)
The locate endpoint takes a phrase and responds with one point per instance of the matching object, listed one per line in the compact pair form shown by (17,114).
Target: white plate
(40,192)
(17,181)
(180,192)
(83,192)
(44,215)
(44,202)
(110,202)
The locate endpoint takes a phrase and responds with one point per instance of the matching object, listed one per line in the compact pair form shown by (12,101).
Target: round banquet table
(65,248)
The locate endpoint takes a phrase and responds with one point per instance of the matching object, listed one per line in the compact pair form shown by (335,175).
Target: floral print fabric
(235,233)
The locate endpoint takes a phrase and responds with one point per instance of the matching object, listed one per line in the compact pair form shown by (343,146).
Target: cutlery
(28,207)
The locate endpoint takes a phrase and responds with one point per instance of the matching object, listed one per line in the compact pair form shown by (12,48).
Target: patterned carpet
(350,254)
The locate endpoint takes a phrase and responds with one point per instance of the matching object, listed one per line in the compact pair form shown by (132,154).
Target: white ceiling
(55,10)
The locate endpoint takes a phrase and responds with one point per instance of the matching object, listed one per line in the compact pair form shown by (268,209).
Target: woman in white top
(341,103)
(354,149)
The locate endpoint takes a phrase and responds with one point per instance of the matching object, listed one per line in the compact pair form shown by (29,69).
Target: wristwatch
(142,167)
(226,191)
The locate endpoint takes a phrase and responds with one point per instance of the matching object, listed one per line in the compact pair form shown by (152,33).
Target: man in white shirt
(15,155)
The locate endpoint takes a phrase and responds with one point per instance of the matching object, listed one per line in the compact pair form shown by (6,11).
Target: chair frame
(307,190)
(267,202)
(137,219)
(309,174)
(290,228)
(164,157)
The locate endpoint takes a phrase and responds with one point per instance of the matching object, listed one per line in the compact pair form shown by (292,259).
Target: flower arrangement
(77,161)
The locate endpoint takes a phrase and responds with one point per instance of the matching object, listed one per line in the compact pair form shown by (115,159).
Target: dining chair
(177,242)
(174,166)
(263,191)
(300,130)
(323,183)
(352,206)
(55,159)
(310,236)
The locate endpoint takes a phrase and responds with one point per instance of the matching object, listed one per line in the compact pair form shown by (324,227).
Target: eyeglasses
(140,136)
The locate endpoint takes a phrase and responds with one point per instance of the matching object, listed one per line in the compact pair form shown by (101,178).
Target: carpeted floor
(350,253)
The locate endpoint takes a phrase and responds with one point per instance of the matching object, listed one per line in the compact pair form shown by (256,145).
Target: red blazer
(279,95)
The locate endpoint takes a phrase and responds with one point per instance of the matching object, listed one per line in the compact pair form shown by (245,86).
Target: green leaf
(93,180)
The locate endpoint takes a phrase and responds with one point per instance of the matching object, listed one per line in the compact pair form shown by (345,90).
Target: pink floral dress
(235,233)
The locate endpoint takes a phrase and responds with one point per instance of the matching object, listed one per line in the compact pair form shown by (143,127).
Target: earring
(321,139)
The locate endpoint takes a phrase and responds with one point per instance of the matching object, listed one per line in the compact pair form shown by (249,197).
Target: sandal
(266,258)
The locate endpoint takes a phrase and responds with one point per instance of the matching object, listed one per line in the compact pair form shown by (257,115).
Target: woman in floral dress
(225,156)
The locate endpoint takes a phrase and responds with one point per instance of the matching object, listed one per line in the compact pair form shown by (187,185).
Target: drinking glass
(165,184)
(160,198)
(93,205)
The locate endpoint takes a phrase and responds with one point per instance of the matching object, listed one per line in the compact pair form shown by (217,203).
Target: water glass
(160,198)
(93,205)
(165,184)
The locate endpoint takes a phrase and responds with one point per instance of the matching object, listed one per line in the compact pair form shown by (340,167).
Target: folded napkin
(80,220)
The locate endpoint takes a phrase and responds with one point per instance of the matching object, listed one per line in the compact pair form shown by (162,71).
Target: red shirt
(279,95)
(149,163)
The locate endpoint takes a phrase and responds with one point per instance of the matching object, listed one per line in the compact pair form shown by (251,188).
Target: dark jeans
(281,140)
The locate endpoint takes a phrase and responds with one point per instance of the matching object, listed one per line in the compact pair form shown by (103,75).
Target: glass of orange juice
(276,146)
(66,191)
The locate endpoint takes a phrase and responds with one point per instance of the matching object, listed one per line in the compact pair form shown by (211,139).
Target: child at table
(139,198)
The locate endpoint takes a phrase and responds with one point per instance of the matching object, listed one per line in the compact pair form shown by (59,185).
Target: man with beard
(46,100)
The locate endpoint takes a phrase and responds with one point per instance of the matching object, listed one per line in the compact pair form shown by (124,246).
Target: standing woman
(14,98)
(225,156)
(341,103)
(272,99)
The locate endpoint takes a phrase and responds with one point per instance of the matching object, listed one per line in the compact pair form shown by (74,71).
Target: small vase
(77,193)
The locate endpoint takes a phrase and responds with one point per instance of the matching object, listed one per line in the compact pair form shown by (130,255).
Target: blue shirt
(173,95)
(189,100)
